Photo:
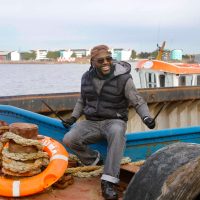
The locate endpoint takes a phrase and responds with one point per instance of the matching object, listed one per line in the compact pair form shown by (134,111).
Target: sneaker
(109,190)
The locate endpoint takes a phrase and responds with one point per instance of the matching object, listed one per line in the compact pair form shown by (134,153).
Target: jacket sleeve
(78,109)
(135,99)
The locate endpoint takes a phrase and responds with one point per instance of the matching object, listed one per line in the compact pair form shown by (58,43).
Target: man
(106,91)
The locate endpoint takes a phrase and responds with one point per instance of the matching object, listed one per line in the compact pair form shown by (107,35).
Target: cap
(99,49)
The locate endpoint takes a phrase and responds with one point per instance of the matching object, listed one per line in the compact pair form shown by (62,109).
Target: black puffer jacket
(110,103)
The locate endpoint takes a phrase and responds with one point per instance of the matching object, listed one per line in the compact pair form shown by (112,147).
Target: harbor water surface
(23,79)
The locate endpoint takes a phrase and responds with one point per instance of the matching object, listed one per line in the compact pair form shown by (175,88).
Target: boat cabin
(156,73)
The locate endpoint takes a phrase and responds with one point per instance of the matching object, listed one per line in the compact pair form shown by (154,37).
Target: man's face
(103,63)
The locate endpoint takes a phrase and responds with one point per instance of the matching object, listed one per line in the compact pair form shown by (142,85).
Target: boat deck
(82,188)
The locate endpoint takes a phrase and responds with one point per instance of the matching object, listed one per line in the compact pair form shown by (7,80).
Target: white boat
(158,73)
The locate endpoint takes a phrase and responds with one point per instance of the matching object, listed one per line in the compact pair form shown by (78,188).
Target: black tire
(172,172)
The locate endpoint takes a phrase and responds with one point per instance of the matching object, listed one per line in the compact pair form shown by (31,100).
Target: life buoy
(31,185)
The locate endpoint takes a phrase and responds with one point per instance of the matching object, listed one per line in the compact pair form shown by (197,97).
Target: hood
(121,67)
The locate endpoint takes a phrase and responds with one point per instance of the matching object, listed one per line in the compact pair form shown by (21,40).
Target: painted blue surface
(176,54)
(142,145)
(47,126)
(138,146)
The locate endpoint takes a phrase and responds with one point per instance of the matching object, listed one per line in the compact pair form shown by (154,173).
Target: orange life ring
(31,185)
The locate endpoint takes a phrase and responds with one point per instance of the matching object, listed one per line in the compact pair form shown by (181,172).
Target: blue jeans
(89,132)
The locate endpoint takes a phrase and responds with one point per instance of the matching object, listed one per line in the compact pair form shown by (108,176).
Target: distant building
(4,55)
(41,54)
(121,54)
(14,56)
(65,55)
(80,52)
(197,58)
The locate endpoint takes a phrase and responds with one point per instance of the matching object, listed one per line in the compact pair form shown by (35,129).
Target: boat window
(169,80)
(150,80)
(182,81)
(198,80)
(162,80)
(185,80)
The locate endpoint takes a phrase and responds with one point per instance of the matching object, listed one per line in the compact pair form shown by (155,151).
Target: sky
(129,24)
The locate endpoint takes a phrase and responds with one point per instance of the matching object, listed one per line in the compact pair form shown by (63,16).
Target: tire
(171,173)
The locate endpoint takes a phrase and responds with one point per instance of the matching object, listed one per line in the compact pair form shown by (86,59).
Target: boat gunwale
(132,136)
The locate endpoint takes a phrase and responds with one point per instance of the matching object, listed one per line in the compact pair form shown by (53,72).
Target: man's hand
(68,122)
(150,122)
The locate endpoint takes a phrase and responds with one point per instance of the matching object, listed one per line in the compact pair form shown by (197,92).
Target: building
(4,55)
(65,55)
(197,58)
(80,52)
(14,56)
(41,54)
(121,54)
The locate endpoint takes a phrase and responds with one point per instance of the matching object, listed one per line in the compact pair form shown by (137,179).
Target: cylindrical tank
(117,55)
(176,54)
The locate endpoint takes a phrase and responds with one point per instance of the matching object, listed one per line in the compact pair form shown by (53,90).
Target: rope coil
(24,156)
(89,171)
(20,140)
(18,164)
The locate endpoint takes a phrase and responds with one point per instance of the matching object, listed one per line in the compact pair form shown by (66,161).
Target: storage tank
(176,54)
(117,55)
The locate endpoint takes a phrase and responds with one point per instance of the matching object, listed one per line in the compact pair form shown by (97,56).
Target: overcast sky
(134,24)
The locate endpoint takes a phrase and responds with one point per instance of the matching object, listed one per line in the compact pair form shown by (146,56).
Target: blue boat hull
(139,145)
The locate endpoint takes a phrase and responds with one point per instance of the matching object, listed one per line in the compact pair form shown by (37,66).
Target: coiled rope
(20,163)
(21,140)
(89,171)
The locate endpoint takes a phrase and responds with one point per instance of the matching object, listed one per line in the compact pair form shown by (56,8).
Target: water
(23,79)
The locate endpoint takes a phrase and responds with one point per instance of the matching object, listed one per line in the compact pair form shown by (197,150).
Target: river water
(23,79)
